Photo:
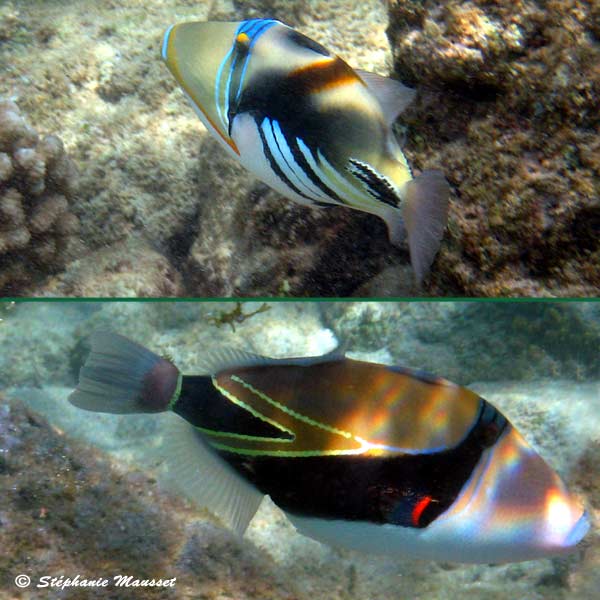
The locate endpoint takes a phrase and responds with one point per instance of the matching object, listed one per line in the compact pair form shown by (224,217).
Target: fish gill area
(506,107)
(80,493)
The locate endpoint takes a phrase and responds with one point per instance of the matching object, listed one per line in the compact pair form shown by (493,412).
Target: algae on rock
(509,108)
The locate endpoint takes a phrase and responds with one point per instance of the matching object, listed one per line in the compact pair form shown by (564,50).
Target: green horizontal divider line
(299,299)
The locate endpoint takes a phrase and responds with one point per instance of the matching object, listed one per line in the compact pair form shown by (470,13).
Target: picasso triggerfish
(309,125)
(358,455)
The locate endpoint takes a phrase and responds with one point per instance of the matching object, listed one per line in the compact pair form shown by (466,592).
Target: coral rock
(38,233)
(6,168)
(508,109)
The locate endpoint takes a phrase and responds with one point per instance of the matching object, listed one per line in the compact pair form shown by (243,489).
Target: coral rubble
(131,268)
(38,232)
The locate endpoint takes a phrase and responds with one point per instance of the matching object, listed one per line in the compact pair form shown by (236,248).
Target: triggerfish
(375,458)
(309,125)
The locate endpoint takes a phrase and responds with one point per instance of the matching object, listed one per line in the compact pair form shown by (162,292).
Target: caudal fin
(120,376)
(425,213)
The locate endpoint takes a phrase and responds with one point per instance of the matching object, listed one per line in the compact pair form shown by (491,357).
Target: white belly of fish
(371,538)
(442,541)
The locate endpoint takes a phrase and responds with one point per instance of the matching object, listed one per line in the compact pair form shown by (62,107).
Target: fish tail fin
(122,377)
(425,212)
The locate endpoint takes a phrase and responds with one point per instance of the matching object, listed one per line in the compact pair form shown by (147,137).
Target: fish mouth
(579,530)
(166,42)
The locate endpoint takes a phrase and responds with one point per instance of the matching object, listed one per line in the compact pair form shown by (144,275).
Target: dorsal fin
(421,375)
(392,95)
(229,358)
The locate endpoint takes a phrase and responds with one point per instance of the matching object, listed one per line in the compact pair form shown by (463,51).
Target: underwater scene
(299,148)
(293,450)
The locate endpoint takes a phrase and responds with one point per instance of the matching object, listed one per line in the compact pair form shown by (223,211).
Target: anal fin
(425,213)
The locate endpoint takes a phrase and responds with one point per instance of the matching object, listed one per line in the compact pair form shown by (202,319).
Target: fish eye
(242,39)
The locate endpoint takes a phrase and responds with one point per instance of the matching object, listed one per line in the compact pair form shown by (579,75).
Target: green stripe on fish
(177,392)
(253,411)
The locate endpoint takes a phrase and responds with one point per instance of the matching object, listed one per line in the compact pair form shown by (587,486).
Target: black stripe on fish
(282,154)
(305,42)
(410,490)
(303,164)
(375,184)
(202,405)
(274,166)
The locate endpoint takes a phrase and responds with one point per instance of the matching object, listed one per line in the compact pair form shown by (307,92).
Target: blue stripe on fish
(253,29)
(228,86)
(250,27)
(218,85)
(240,29)
(254,35)
(318,171)
(266,25)
(166,42)
(331,196)
(247,26)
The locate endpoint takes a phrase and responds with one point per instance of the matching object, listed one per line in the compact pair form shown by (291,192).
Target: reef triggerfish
(358,455)
(309,125)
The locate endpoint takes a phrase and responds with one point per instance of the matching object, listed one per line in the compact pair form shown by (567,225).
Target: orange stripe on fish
(225,138)
(324,74)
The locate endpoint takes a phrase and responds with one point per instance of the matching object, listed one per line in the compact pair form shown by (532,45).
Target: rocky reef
(509,108)
(38,231)
(473,341)
(64,509)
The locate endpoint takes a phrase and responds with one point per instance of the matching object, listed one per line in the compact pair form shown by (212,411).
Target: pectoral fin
(205,478)
(425,213)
